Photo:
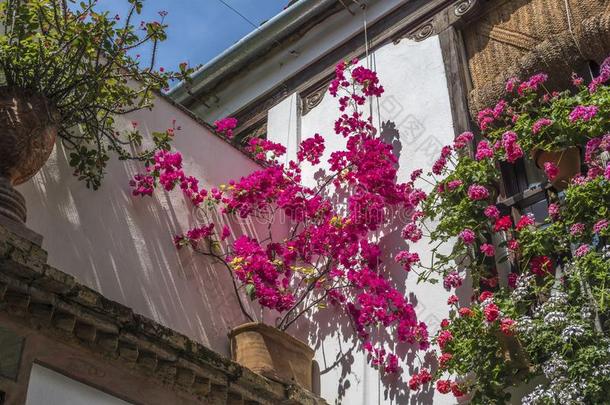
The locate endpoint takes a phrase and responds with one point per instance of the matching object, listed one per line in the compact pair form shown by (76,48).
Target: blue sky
(200,29)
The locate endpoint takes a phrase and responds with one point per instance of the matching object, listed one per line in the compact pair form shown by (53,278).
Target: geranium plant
(84,63)
(550,318)
(331,256)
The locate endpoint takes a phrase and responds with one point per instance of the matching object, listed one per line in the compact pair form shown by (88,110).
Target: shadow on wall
(122,247)
(333,325)
(391,136)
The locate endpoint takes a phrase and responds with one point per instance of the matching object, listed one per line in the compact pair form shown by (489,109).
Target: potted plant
(553,126)
(550,318)
(327,258)
(66,71)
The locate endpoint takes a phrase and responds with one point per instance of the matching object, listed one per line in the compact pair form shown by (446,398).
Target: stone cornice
(53,303)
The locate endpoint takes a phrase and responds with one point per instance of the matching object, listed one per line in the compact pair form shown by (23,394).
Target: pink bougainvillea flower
(142,185)
(226,232)
(262,148)
(391,364)
(488,250)
(311,149)
(201,232)
(607,172)
(226,126)
(419,379)
(367,169)
(452,300)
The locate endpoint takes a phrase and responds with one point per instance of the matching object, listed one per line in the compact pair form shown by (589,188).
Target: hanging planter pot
(28,129)
(567,160)
(272,353)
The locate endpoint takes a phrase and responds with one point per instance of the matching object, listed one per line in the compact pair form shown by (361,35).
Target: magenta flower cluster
(226,126)
(540,124)
(583,113)
(477,192)
(511,148)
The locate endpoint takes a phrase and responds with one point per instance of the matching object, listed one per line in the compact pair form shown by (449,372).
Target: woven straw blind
(523,37)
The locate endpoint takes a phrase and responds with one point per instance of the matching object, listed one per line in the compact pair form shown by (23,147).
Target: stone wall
(49,318)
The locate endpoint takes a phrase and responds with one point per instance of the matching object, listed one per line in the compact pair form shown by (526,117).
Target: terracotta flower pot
(28,129)
(272,353)
(567,160)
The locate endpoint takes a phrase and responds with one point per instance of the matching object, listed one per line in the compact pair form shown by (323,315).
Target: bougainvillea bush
(547,323)
(330,257)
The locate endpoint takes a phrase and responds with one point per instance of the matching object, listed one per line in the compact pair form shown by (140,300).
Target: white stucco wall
(47,387)
(416,119)
(121,245)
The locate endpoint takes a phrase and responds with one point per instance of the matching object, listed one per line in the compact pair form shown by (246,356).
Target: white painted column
(283,125)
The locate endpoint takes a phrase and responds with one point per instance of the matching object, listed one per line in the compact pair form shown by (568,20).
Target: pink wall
(122,246)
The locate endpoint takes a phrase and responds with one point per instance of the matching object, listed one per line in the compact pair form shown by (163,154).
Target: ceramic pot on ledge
(568,161)
(28,130)
(272,353)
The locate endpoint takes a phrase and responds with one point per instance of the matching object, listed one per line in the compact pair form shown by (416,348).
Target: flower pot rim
(536,152)
(265,329)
